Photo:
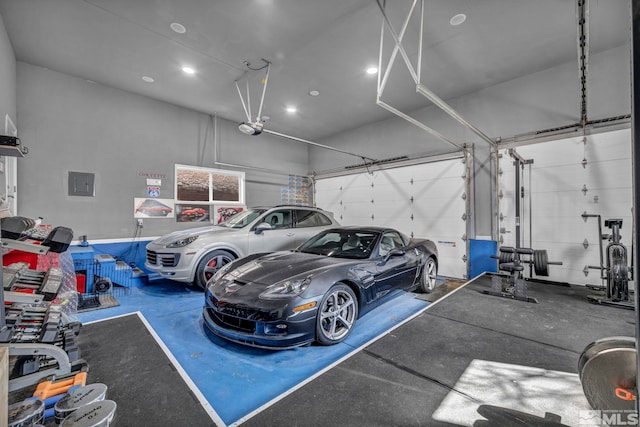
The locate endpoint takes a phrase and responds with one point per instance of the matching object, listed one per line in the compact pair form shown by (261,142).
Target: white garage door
(424,201)
(561,190)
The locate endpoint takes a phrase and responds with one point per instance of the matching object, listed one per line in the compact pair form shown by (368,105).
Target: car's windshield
(353,244)
(242,219)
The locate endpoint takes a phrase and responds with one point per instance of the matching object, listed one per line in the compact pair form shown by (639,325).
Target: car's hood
(279,266)
(183,234)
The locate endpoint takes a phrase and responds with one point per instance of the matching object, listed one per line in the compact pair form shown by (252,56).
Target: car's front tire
(428,276)
(337,315)
(209,264)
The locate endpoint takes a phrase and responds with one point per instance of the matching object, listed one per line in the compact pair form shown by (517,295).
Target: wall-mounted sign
(153,191)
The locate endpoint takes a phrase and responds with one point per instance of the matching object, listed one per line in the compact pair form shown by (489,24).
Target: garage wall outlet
(140,222)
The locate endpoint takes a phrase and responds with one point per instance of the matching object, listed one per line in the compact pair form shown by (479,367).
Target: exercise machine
(614,268)
(512,260)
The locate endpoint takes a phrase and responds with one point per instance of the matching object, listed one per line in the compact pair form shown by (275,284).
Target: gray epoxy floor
(471,359)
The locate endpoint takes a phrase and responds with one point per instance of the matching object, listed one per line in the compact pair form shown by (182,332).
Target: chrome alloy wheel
(338,314)
(429,274)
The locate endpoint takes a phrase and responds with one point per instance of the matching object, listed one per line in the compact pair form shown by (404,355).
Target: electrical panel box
(81,184)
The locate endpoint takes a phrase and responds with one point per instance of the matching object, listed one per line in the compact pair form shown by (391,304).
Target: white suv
(194,255)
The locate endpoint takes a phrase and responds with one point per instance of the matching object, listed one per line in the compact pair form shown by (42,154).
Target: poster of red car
(223,213)
(193,213)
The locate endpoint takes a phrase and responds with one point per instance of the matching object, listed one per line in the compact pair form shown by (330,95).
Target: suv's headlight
(182,242)
(286,289)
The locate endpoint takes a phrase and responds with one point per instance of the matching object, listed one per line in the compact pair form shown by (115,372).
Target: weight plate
(605,366)
(506,257)
(541,262)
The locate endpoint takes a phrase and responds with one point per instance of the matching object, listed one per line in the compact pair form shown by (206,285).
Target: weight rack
(41,342)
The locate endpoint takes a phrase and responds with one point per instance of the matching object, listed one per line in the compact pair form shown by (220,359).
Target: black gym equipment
(512,260)
(614,270)
(17,229)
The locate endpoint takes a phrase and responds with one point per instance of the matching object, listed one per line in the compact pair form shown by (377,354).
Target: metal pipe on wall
(635,153)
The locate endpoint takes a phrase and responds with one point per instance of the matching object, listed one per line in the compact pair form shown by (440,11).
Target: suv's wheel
(209,265)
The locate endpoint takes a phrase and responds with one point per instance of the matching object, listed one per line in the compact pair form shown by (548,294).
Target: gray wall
(538,101)
(7,76)
(70,124)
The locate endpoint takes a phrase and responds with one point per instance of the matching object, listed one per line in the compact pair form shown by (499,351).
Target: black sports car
(318,291)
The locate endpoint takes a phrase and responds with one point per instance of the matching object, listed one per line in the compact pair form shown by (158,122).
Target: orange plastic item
(624,394)
(50,388)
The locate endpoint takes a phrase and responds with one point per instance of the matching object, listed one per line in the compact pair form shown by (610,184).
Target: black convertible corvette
(318,291)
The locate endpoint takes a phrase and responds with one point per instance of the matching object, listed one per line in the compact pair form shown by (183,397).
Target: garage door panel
(609,174)
(555,153)
(608,146)
(420,200)
(433,187)
(558,199)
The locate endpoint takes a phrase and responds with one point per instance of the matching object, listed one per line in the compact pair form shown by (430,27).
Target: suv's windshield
(242,219)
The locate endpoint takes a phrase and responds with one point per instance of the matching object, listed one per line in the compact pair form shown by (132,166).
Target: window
(311,219)
(279,219)
(389,242)
(206,185)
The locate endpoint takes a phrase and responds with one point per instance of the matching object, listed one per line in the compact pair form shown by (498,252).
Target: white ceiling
(324,45)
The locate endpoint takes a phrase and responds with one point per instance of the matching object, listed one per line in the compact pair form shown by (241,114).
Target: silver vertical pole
(635,150)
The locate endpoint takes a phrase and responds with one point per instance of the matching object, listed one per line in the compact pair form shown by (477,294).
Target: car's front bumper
(174,265)
(251,329)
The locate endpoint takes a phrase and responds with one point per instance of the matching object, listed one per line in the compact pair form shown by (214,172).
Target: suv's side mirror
(263,226)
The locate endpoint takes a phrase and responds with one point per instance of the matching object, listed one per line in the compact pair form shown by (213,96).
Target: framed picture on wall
(193,213)
(222,213)
(193,185)
(153,208)
(198,184)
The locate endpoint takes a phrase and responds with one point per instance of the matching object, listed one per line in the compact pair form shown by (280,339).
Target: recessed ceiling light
(265,118)
(148,79)
(188,70)
(314,93)
(291,109)
(458,19)
(178,28)
(372,70)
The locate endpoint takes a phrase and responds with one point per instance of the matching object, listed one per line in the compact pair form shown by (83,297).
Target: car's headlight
(182,242)
(286,289)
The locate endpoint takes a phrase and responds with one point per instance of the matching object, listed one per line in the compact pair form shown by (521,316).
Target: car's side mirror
(391,253)
(263,226)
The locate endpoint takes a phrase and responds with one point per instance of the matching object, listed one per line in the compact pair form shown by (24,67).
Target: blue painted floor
(234,379)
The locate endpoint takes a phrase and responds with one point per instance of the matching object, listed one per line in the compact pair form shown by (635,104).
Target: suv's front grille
(164,260)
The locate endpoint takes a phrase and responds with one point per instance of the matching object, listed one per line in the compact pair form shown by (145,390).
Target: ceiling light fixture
(178,28)
(372,70)
(291,109)
(188,70)
(458,19)
(251,128)
(148,79)
(314,93)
